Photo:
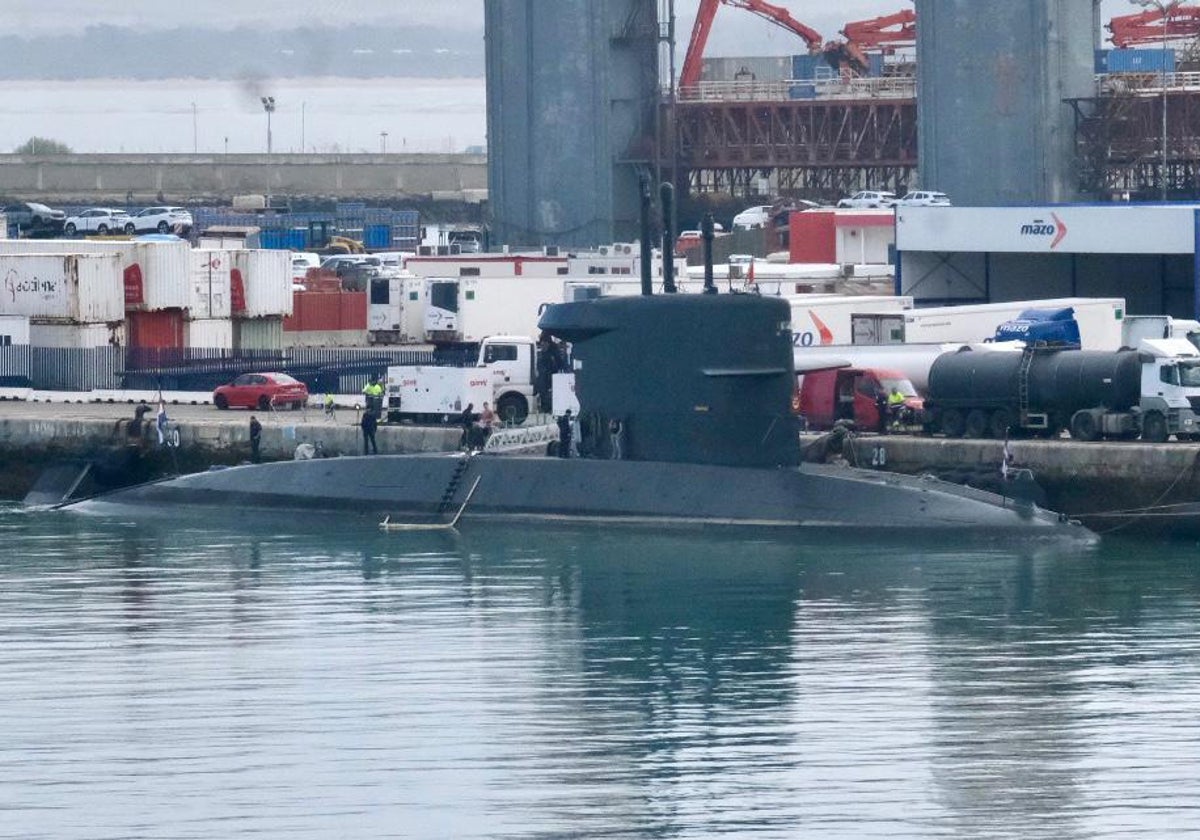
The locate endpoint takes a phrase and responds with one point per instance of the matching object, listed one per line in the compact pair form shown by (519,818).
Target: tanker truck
(1152,392)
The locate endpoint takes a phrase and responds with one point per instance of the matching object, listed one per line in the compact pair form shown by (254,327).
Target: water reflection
(587,681)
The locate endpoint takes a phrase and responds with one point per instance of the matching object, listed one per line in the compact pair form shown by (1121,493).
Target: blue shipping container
(377,236)
(1135,61)
(282,240)
(802,91)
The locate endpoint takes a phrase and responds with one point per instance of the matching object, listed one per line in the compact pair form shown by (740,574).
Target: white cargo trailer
(155,273)
(1100,321)
(211,284)
(261,283)
(1138,327)
(826,320)
(64,288)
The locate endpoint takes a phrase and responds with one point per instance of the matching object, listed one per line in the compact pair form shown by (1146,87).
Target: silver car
(99,220)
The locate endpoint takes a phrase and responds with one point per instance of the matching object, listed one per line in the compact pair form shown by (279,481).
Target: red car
(261,391)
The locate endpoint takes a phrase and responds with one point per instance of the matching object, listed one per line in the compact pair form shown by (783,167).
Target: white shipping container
(266,278)
(209,334)
(74,288)
(14,329)
(77,335)
(156,273)
(209,287)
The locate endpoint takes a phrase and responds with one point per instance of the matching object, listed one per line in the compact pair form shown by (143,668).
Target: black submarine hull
(432,488)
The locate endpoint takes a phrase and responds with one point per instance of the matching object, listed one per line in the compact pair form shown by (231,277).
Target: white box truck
(503,375)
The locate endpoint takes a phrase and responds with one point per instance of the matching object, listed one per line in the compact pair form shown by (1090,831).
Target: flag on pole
(750,274)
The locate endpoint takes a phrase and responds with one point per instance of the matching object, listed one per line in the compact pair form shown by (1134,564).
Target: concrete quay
(1108,485)
(36,434)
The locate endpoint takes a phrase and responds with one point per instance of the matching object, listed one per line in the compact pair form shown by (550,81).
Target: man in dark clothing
(467,421)
(564,435)
(369,424)
(255,437)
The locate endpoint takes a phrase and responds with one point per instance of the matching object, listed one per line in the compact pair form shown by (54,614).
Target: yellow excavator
(342,245)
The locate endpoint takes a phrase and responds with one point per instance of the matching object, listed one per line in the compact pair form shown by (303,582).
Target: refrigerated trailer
(1100,322)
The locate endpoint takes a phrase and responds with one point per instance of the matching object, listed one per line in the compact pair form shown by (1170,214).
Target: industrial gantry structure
(825,136)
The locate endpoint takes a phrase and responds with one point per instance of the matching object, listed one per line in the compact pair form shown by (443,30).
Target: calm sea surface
(316,681)
(212,117)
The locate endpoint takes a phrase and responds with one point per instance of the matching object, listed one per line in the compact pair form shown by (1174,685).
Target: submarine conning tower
(704,379)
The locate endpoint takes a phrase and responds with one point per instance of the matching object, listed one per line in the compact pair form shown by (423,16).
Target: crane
(1153,26)
(883,33)
(835,52)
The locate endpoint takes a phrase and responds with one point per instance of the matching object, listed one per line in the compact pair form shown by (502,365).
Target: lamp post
(268,103)
(1165,8)
(383,142)
(303,107)
(195,135)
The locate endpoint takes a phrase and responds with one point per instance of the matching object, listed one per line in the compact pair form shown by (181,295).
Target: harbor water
(177,679)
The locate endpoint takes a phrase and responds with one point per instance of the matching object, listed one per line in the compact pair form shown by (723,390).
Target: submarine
(702,386)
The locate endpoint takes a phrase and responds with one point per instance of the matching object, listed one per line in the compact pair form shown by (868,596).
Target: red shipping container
(160,328)
(353,310)
(812,237)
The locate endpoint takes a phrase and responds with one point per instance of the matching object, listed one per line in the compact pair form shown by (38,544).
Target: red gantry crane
(884,33)
(839,54)
(1154,26)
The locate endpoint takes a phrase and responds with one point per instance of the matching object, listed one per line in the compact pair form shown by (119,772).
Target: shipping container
(160,328)
(328,312)
(210,286)
(209,334)
(258,333)
(14,330)
(747,68)
(377,236)
(264,279)
(283,240)
(77,335)
(1135,61)
(70,288)
(155,273)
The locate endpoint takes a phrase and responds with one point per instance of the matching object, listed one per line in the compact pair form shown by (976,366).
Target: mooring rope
(1134,514)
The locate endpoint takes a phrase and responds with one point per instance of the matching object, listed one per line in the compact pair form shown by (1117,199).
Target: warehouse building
(1143,253)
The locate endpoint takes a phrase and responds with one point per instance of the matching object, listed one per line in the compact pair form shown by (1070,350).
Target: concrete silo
(991,83)
(571,91)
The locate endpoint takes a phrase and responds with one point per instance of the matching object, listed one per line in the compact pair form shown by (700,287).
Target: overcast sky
(735,28)
(60,15)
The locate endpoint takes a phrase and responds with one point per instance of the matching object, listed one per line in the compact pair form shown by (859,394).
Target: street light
(383,142)
(1165,8)
(268,103)
(195,142)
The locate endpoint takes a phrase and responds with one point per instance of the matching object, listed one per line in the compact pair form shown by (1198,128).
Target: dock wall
(1080,479)
(217,178)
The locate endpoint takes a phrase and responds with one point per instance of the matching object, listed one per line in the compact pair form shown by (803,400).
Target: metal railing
(337,370)
(1148,82)
(886,87)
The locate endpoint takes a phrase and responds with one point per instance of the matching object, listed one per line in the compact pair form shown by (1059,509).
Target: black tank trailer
(702,384)
(979,393)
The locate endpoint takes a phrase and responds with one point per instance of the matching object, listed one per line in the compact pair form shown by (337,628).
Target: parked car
(163,220)
(869,198)
(35,219)
(923,198)
(262,391)
(752,217)
(99,220)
